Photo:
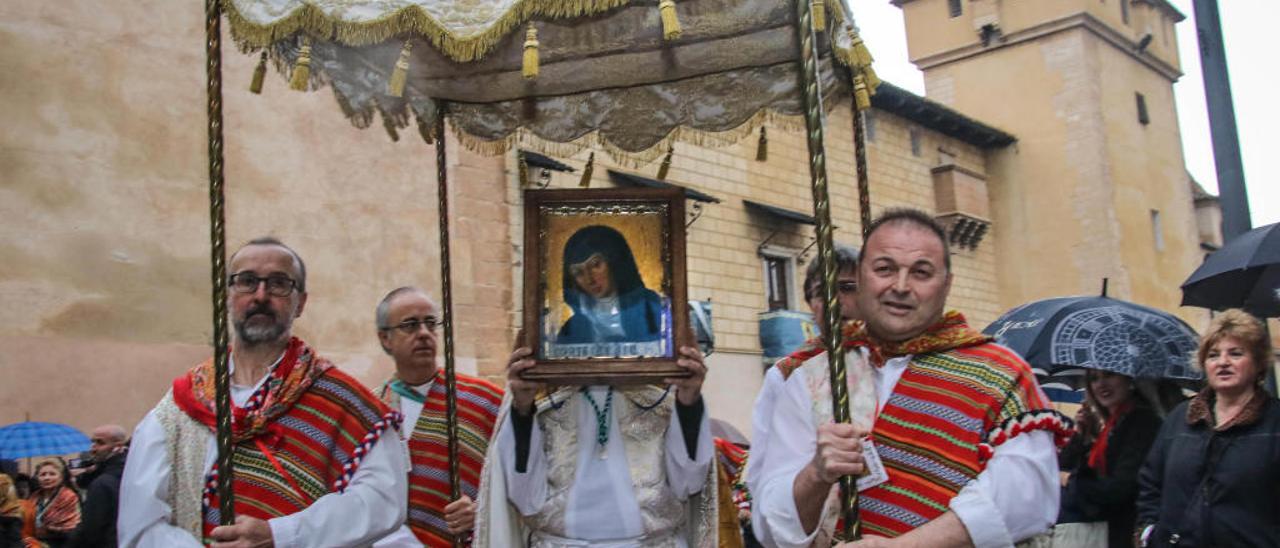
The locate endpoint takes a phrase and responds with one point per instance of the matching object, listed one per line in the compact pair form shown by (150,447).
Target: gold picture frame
(604,285)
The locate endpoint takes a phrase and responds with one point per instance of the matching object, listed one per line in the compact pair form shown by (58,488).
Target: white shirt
(1014,498)
(373,505)
(403,537)
(761,422)
(602,504)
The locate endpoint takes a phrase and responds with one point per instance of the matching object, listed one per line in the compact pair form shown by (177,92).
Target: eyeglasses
(410,326)
(278,285)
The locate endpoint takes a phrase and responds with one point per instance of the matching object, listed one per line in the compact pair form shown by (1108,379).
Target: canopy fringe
(250,35)
(529,140)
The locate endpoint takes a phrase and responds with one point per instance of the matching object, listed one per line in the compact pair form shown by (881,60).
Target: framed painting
(604,284)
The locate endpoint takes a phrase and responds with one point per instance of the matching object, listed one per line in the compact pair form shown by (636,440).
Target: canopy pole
(446,292)
(218,258)
(860,160)
(831,332)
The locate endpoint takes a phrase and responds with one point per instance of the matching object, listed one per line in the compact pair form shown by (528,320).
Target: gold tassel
(522,168)
(666,164)
(259,74)
(873,81)
(819,16)
(302,68)
(395,86)
(587,171)
(670,21)
(861,95)
(529,68)
(762,149)
(861,55)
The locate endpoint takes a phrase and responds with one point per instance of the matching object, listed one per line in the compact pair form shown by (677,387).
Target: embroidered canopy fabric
(607,75)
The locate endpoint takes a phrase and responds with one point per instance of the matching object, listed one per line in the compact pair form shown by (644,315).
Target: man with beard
(407,320)
(101,483)
(314,461)
(953,433)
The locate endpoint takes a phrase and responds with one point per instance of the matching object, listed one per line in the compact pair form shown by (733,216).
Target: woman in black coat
(1213,475)
(1115,428)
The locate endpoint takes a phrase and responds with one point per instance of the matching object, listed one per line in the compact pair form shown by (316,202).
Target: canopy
(607,76)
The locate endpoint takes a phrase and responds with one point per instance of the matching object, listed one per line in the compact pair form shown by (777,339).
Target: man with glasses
(762,413)
(407,320)
(314,462)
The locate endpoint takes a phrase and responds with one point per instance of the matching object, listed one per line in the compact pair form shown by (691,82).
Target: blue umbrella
(39,439)
(1055,335)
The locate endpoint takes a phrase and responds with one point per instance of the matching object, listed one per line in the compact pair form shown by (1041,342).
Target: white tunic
(372,506)
(602,504)
(1014,498)
(761,423)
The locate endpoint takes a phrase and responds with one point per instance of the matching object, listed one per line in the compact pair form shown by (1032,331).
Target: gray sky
(1247,26)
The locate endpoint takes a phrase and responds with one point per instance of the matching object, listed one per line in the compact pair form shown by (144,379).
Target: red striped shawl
(478,402)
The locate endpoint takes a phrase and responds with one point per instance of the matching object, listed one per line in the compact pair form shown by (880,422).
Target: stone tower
(1095,187)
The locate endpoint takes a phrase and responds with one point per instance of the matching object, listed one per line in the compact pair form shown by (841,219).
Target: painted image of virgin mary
(603,288)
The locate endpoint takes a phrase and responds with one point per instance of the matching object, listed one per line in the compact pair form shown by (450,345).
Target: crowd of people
(61,505)
(952,442)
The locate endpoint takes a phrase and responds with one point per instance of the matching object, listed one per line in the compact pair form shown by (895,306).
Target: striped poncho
(300,436)
(478,402)
(960,397)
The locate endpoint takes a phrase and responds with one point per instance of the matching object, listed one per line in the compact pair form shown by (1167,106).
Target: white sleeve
(144,515)
(528,490)
(1016,496)
(688,476)
(794,440)
(761,418)
(371,507)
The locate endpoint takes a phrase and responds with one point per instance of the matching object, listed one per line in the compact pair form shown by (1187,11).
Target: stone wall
(103,188)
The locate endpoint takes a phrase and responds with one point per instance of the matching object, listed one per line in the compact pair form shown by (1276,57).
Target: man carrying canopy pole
(814,122)
(407,320)
(957,442)
(314,461)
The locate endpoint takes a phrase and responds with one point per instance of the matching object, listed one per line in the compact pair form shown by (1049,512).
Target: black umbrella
(1055,335)
(1245,273)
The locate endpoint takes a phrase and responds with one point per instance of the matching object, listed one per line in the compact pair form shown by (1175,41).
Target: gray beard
(253,335)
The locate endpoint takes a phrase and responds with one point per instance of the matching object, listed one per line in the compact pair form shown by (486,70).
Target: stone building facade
(104,244)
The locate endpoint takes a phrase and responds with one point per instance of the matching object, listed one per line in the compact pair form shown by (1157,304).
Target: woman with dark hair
(603,288)
(1114,429)
(1213,475)
(57,506)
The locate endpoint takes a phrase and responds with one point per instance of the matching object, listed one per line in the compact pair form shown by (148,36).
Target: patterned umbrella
(39,439)
(1099,333)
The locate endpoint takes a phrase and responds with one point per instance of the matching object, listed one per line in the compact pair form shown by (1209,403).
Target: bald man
(101,482)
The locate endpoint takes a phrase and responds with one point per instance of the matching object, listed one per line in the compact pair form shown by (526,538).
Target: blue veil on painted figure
(614,314)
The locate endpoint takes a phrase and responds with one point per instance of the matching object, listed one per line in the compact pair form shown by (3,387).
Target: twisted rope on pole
(446,292)
(831,333)
(860,161)
(218,258)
